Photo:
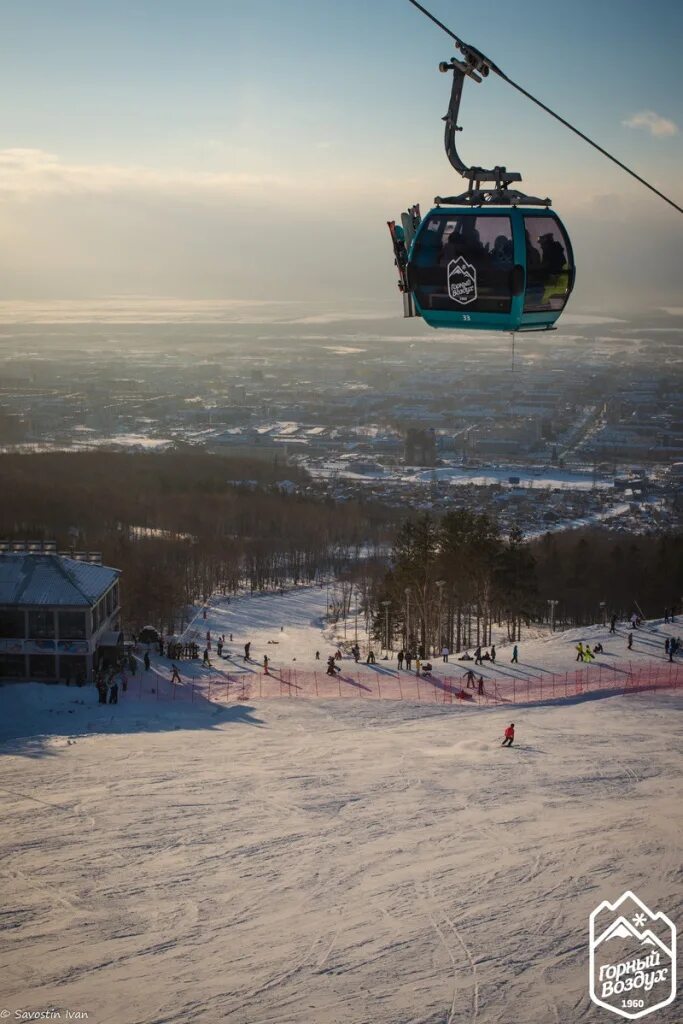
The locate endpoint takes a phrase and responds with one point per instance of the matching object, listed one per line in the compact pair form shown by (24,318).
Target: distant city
(577,426)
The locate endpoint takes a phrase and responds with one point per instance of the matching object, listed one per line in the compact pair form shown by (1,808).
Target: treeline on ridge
(452,578)
(182,524)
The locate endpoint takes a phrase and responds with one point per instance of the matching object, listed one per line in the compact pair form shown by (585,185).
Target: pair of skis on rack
(401,239)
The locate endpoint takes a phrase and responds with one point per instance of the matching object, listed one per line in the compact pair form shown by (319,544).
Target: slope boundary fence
(386,684)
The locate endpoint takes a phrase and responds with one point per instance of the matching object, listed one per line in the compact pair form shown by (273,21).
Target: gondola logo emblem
(632,958)
(462,281)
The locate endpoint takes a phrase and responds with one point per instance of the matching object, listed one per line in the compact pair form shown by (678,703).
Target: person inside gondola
(502,250)
(534,274)
(552,254)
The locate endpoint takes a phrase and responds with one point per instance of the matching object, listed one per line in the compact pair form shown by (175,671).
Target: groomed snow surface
(331,861)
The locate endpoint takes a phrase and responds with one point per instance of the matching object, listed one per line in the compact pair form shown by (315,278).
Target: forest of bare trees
(452,578)
(181,525)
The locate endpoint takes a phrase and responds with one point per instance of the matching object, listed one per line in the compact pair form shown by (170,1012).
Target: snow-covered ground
(331,861)
(535,479)
(290,628)
(320,863)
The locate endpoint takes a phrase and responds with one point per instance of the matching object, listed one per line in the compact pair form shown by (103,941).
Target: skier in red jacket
(509,735)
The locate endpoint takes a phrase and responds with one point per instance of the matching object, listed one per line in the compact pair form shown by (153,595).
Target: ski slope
(330,861)
(320,863)
(290,628)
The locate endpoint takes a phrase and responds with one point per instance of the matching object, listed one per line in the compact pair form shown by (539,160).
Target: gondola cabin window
(464,263)
(547,265)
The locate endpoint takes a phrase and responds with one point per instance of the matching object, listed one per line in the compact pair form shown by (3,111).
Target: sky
(253,150)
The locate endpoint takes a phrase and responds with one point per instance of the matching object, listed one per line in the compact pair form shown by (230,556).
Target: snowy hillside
(327,861)
(290,628)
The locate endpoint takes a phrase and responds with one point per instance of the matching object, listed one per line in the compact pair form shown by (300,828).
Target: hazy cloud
(30,172)
(652,122)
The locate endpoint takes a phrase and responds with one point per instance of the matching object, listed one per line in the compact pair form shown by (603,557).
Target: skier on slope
(630,642)
(509,735)
(579,651)
(515,655)
(247,648)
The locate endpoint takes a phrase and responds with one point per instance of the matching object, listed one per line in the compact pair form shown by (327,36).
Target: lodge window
(12,623)
(42,666)
(74,667)
(12,666)
(72,626)
(41,624)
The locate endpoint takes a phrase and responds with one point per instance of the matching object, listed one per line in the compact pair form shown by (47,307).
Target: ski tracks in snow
(455,960)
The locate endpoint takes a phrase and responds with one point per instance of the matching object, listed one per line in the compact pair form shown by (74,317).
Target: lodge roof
(49,580)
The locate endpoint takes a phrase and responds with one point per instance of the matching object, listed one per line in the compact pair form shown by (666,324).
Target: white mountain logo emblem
(462,281)
(632,958)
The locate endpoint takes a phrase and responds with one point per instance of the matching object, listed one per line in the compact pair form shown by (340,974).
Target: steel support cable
(489,63)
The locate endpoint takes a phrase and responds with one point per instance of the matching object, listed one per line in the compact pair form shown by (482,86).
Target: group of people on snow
(672,646)
(107,685)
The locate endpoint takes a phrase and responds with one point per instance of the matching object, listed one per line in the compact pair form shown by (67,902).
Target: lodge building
(56,613)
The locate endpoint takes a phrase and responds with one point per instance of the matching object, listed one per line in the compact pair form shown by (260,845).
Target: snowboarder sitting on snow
(371,658)
(465,657)
(509,735)
(598,649)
